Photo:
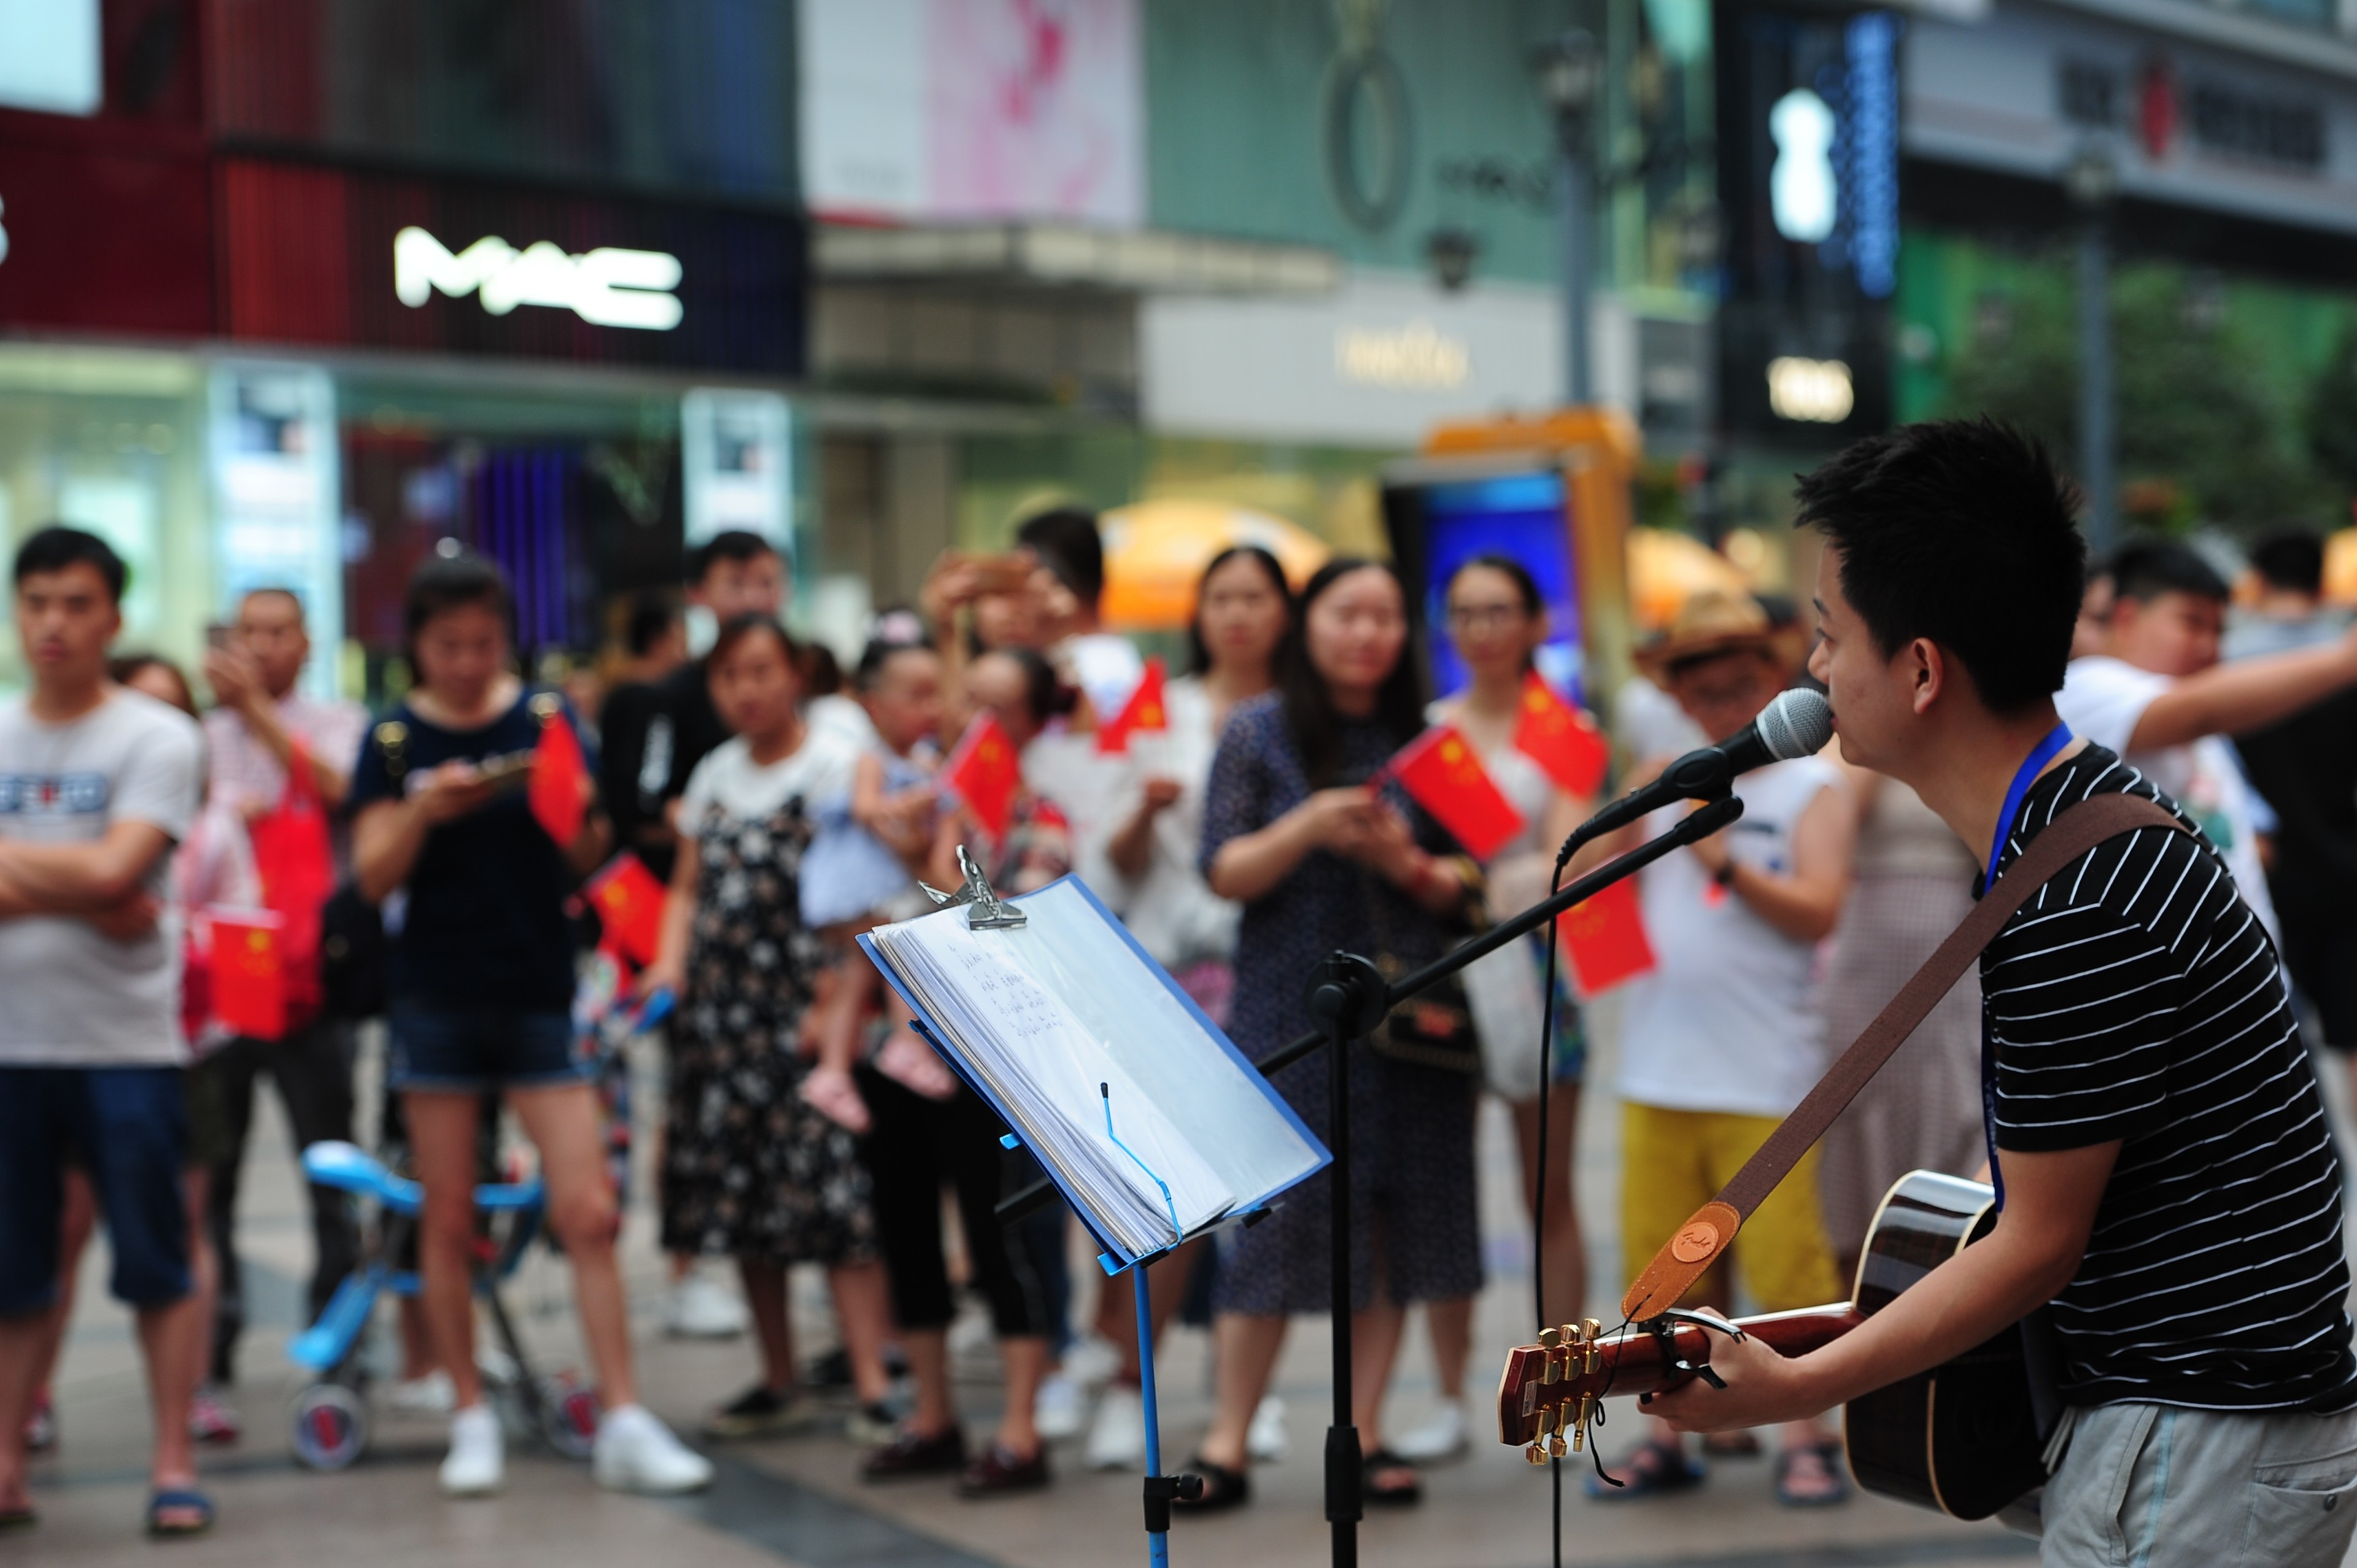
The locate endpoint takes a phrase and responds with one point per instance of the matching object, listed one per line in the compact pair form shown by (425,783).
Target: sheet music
(1045,1013)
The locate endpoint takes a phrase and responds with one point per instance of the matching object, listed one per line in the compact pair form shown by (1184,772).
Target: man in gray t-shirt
(97,784)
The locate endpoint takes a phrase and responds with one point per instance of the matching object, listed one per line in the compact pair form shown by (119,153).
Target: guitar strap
(1699,1241)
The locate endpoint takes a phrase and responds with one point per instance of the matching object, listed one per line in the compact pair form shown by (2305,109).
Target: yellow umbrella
(1665,569)
(1155,553)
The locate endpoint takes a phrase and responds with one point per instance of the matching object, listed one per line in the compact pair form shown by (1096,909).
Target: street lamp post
(1569,71)
(2091,180)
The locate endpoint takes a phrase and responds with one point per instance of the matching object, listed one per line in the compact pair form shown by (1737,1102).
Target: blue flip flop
(177,1499)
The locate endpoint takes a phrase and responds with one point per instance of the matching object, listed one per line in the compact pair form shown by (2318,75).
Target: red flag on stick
(1560,738)
(984,771)
(1144,711)
(1442,772)
(1604,939)
(559,792)
(629,904)
(249,983)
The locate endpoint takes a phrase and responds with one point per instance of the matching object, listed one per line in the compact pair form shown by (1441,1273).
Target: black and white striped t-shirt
(2136,997)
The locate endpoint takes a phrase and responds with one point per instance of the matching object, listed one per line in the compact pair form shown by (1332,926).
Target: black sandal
(1222,1489)
(1394,1496)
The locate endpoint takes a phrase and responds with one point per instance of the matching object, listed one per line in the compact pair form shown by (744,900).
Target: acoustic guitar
(1962,1437)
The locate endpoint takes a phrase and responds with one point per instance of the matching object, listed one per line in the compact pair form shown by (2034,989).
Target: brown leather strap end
(1686,1257)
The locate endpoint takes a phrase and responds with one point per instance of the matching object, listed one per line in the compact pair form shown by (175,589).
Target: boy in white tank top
(1721,1040)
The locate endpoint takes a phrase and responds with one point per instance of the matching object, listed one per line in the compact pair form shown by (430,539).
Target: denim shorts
(469,1051)
(128,1128)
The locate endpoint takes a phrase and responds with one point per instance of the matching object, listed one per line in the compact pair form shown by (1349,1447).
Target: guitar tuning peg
(1535,1454)
(1549,1338)
(1556,1446)
(1592,1331)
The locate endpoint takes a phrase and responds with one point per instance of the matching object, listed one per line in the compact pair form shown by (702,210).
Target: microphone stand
(1349,996)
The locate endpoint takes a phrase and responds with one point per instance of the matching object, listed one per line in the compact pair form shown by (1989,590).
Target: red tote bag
(297,862)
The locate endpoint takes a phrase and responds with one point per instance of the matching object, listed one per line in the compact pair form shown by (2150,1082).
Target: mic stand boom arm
(1698,824)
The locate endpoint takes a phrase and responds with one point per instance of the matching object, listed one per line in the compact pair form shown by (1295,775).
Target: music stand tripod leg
(1348,996)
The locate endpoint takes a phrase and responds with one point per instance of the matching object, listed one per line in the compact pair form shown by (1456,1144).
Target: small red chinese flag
(1561,739)
(1604,940)
(1144,711)
(1442,772)
(560,778)
(629,905)
(249,984)
(984,771)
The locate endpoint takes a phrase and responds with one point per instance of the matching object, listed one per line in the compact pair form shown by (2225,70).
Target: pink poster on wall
(974,110)
(1035,109)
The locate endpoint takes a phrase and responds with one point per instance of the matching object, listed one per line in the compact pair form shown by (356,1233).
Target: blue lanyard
(2023,778)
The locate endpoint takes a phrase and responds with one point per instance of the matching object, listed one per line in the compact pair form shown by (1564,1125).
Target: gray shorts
(2156,1487)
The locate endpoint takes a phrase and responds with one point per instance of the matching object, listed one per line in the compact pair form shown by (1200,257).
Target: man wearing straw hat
(1721,1039)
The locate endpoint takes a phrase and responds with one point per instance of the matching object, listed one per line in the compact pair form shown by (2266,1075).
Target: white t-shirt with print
(729,780)
(76,997)
(1726,1020)
(2104,698)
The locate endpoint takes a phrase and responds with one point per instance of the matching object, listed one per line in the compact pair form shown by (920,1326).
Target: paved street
(797,1500)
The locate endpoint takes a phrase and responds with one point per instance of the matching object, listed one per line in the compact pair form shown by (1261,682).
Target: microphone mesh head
(1797,724)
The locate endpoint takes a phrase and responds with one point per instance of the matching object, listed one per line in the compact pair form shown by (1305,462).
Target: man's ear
(1925,665)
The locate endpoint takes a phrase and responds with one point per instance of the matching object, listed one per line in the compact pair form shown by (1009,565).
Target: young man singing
(2170,1182)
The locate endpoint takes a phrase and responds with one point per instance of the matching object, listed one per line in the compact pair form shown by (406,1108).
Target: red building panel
(116,240)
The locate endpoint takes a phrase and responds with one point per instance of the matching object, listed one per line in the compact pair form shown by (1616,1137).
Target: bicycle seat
(350,1168)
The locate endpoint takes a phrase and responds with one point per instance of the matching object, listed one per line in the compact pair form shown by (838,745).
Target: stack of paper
(1060,1019)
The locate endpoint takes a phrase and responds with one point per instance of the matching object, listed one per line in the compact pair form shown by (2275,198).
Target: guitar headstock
(1551,1388)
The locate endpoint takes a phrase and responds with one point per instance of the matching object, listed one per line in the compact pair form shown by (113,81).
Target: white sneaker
(1092,1362)
(433,1394)
(636,1453)
(1057,1410)
(1265,1438)
(477,1463)
(1118,1436)
(1442,1435)
(699,1307)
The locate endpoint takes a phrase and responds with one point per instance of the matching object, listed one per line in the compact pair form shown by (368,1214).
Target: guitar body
(1962,1437)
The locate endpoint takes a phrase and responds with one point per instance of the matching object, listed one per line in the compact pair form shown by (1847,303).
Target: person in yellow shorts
(1721,1038)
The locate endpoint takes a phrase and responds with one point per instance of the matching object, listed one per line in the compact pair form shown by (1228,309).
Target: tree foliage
(2206,434)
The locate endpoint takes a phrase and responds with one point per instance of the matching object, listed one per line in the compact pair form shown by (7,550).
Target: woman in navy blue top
(1321,861)
(481,985)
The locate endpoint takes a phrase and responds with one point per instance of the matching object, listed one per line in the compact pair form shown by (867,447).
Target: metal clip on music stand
(988,913)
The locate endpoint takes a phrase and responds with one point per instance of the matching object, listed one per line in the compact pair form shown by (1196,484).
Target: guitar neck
(1539,1383)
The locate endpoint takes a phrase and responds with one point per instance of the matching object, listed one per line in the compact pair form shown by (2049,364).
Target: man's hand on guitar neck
(2051,1201)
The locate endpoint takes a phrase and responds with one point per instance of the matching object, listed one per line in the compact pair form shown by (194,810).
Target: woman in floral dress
(750,1167)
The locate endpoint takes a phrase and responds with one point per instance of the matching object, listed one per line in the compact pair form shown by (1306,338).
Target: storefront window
(112,441)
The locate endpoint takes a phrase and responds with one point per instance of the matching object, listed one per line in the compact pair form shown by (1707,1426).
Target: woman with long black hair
(1320,859)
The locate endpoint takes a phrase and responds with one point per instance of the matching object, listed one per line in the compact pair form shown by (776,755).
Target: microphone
(1797,724)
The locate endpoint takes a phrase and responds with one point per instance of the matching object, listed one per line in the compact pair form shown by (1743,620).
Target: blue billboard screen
(1520,516)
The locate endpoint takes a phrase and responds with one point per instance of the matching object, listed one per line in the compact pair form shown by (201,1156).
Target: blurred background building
(292,290)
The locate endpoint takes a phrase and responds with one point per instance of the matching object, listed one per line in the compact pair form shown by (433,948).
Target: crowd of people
(785,807)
